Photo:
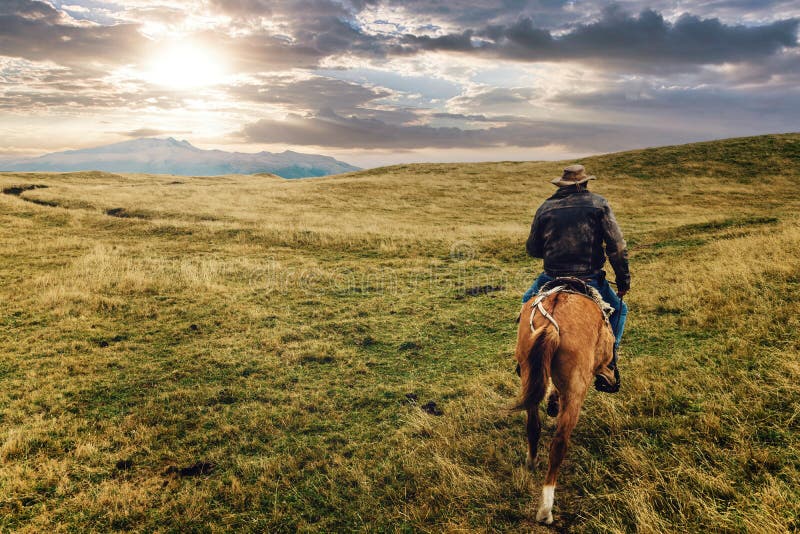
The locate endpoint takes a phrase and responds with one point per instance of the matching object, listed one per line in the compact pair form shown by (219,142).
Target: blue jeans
(609,295)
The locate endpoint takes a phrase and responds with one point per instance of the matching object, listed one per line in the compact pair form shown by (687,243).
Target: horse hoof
(545,517)
(545,513)
(529,461)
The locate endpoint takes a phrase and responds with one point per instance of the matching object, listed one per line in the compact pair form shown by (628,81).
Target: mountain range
(169,156)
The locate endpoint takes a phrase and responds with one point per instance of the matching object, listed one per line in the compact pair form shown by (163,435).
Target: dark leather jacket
(569,231)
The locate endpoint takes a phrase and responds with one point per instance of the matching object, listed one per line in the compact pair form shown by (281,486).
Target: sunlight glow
(186,66)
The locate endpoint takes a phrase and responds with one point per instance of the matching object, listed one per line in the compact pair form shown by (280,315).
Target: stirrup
(602,385)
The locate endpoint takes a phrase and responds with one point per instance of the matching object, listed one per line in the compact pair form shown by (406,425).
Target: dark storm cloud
(329,129)
(620,37)
(312,30)
(35,30)
(417,14)
(565,14)
(748,5)
(729,11)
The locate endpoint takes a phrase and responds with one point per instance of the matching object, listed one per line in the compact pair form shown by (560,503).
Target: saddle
(570,283)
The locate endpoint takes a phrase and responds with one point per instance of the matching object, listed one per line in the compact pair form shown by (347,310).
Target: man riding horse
(568,232)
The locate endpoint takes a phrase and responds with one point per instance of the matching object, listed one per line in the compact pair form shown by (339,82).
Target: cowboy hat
(573,175)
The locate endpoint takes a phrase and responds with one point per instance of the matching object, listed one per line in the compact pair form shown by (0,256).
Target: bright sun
(185,66)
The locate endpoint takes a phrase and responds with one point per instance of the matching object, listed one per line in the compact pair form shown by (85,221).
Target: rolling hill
(170,156)
(335,354)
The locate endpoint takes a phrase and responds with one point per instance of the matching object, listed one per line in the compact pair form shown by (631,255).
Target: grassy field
(245,352)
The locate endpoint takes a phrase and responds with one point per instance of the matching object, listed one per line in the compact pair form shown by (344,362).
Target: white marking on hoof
(529,461)
(545,513)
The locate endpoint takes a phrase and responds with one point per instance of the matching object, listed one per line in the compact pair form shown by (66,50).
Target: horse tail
(546,340)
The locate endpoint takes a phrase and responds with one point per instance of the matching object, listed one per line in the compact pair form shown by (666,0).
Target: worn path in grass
(182,353)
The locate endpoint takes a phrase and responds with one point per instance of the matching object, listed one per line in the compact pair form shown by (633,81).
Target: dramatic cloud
(496,101)
(408,76)
(309,94)
(619,37)
(35,30)
(711,108)
(328,129)
(301,33)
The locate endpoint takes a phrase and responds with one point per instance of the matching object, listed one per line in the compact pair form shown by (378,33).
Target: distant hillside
(742,159)
(170,156)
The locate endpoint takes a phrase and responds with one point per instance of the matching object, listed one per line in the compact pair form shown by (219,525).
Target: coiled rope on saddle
(568,285)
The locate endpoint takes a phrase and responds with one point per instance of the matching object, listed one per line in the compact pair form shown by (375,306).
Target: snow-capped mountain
(170,156)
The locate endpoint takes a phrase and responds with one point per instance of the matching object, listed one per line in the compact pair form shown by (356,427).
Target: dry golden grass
(278,329)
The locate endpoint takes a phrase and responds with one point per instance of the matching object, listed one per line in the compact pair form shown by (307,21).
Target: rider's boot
(601,382)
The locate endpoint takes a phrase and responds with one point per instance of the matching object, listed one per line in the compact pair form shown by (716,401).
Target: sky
(376,82)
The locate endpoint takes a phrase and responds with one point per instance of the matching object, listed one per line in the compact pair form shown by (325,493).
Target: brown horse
(570,347)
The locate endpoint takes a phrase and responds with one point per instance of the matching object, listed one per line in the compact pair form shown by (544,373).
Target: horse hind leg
(567,419)
(535,426)
(552,402)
